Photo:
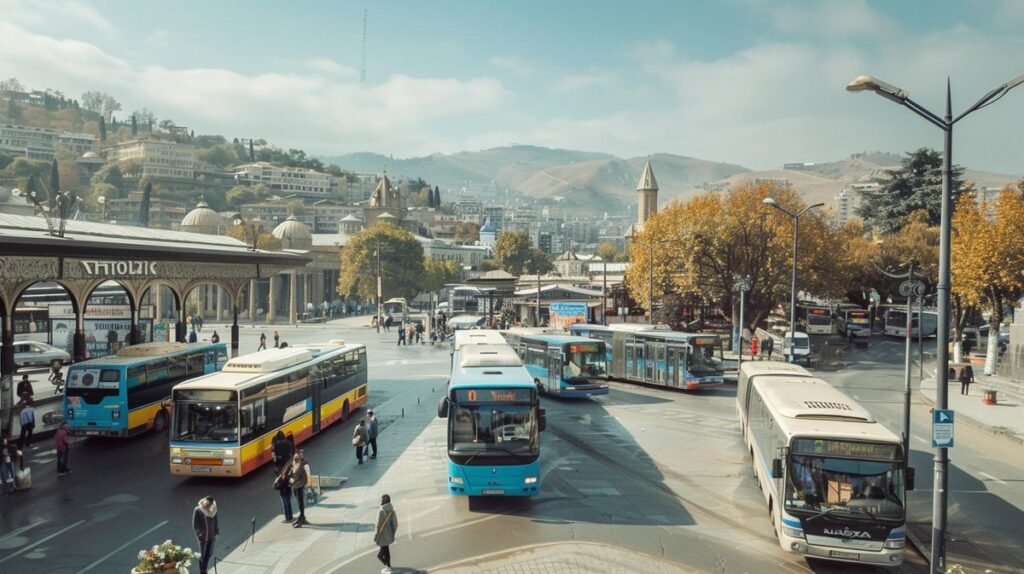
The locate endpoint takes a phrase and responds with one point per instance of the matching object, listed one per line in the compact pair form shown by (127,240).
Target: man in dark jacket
(204,524)
(283,451)
(372,429)
(24,388)
(966,378)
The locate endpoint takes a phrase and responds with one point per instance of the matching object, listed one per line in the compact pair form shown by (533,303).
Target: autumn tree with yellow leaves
(701,246)
(988,258)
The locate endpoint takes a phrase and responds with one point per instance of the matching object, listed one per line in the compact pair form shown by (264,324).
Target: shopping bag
(23,479)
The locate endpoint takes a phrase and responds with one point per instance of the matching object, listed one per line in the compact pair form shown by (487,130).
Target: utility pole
(538,300)
(604,296)
(379,289)
(742,285)
(362,67)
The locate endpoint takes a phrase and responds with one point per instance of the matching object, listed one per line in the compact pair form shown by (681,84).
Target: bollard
(403,412)
(254,530)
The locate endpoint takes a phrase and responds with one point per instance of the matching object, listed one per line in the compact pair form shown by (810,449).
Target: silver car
(36,354)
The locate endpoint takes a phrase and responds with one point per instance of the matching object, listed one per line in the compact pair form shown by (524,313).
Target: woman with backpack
(299,480)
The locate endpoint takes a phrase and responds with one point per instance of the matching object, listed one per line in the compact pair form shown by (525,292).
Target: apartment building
(285,180)
(77,143)
(33,143)
(160,159)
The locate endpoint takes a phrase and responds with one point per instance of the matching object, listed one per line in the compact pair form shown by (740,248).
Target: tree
(12,85)
(437,197)
(135,125)
(21,169)
(437,274)
(166,125)
(264,240)
(145,116)
(988,258)
(252,152)
(103,129)
(54,179)
(110,174)
(110,105)
(221,156)
(401,261)
(296,207)
(607,251)
(467,232)
(240,195)
(144,205)
(512,250)
(917,184)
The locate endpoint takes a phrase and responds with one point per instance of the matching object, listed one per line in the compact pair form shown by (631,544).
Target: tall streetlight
(379,287)
(945,123)
(792,296)
(650,279)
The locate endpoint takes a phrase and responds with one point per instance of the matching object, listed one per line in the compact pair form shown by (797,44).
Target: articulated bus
(565,366)
(659,357)
(896,322)
(814,319)
(834,478)
(224,423)
(494,423)
(128,393)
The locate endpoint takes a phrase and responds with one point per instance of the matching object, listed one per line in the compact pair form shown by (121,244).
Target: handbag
(23,479)
(357,440)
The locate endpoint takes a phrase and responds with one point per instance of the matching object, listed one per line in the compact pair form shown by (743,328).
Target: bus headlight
(896,543)
(229,461)
(116,413)
(531,480)
(175,460)
(455,479)
(793,532)
(229,452)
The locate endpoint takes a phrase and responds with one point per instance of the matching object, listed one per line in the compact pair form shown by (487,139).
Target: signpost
(942,428)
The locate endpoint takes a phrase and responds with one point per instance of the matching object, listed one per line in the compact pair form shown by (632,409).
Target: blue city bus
(685,361)
(494,423)
(129,392)
(564,365)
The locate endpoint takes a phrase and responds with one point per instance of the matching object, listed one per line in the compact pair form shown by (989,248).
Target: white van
(801,348)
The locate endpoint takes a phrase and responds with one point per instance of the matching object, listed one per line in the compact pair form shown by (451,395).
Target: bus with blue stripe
(129,392)
(659,357)
(834,479)
(494,422)
(564,365)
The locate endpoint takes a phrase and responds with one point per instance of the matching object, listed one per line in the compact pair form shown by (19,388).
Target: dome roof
(386,215)
(293,234)
(90,155)
(202,219)
(351,217)
(488,227)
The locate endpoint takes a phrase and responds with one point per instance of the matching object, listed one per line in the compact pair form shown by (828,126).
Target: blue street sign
(942,428)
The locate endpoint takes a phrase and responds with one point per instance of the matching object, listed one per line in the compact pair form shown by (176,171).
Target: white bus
(751,371)
(815,319)
(834,479)
(896,323)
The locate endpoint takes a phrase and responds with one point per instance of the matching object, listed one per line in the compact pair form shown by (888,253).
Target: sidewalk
(1006,418)
(563,557)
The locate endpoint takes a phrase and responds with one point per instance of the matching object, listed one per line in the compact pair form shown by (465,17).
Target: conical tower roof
(647,181)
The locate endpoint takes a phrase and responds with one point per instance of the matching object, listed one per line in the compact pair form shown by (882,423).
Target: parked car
(36,354)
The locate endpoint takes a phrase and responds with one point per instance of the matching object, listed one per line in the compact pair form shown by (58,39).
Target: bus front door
(554,382)
(672,367)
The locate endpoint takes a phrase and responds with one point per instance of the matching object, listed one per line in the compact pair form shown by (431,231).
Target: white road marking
(20,530)
(33,545)
(990,477)
(120,548)
(917,438)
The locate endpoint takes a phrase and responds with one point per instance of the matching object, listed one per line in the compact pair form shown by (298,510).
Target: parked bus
(853,321)
(660,357)
(751,371)
(565,366)
(814,319)
(127,393)
(224,423)
(398,308)
(494,423)
(896,322)
(833,477)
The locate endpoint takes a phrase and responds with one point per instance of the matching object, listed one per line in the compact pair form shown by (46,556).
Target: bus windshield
(586,361)
(819,319)
(212,418)
(872,489)
(701,359)
(494,428)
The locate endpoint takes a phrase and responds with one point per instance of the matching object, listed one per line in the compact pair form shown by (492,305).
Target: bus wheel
(344,412)
(160,421)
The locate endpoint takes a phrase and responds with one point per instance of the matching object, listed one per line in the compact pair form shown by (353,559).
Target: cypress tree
(437,197)
(54,179)
(252,152)
(144,205)
(103,129)
(135,126)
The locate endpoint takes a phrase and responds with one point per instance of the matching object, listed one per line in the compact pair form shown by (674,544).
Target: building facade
(286,180)
(33,143)
(159,159)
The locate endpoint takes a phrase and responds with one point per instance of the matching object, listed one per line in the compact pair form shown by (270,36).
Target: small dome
(90,155)
(386,215)
(488,227)
(202,219)
(351,217)
(293,234)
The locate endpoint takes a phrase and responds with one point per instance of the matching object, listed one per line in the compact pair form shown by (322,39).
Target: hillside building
(285,180)
(33,143)
(159,159)
(647,196)
(163,214)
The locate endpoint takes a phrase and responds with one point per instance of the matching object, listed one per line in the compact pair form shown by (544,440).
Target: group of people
(410,333)
(263,341)
(765,349)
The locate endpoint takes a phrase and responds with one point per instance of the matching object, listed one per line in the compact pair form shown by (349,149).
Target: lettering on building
(119,268)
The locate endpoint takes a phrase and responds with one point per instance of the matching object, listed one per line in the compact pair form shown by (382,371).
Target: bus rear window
(110,376)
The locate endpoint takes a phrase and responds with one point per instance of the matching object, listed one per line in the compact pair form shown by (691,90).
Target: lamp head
(769,201)
(1015,82)
(16,192)
(101,199)
(871,83)
(237,221)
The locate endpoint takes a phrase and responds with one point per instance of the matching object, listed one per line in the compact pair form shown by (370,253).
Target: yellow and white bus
(223,424)
(834,478)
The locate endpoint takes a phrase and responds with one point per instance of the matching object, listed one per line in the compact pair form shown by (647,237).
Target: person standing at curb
(277,339)
(25,389)
(401,336)
(299,480)
(359,439)
(283,485)
(372,429)
(9,455)
(62,440)
(204,524)
(283,450)
(263,342)
(966,378)
(387,525)
(769,346)
(28,424)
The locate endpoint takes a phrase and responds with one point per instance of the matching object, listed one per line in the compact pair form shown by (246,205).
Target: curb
(978,424)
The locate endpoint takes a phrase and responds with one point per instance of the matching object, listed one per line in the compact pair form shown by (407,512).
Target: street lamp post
(650,280)
(937,562)
(792,295)
(742,285)
(379,287)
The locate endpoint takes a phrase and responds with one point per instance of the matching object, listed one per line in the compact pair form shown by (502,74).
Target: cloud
(157,38)
(583,82)
(512,64)
(42,13)
(328,66)
(831,19)
(86,13)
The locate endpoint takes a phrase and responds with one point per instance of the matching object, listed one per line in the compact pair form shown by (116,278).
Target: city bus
(224,423)
(398,308)
(814,319)
(658,357)
(127,393)
(751,371)
(852,321)
(494,422)
(896,322)
(833,477)
(566,366)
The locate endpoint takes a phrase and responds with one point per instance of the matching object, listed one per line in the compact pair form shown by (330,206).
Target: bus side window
(194,364)
(176,367)
(137,375)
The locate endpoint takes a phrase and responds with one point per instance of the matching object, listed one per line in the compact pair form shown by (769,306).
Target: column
(6,371)
(157,302)
(220,304)
(234,324)
(134,335)
(79,340)
(293,296)
(179,325)
(272,299)
(252,299)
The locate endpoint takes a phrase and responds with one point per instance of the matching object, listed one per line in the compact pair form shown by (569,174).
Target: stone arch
(74,342)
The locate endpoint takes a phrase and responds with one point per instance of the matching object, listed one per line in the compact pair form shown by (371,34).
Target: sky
(752,82)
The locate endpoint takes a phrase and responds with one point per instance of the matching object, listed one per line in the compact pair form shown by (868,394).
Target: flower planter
(165,569)
(988,396)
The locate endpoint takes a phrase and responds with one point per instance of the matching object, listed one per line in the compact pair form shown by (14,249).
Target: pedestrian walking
(263,342)
(372,429)
(967,345)
(401,336)
(204,524)
(283,449)
(769,346)
(192,336)
(25,389)
(410,334)
(299,480)
(966,378)
(388,320)
(9,455)
(62,442)
(28,424)
(282,484)
(215,338)
(387,526)
(359,439)
(419,333)
(277,339)
(198,320)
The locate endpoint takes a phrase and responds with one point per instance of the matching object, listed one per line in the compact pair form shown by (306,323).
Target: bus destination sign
(819,311)
(704,341)
(583,347)
(846,449)
(493,396)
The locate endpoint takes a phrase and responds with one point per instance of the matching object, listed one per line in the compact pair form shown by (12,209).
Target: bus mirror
(776,468)
(542,419)
(565,360)
(442,408)
(910,478)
